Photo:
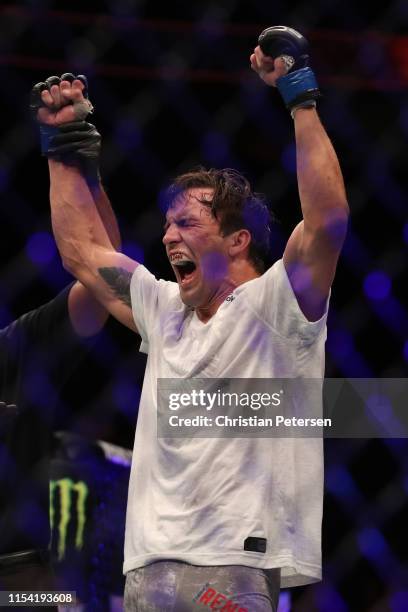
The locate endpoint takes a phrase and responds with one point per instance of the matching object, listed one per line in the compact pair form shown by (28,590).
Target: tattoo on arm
(118,280)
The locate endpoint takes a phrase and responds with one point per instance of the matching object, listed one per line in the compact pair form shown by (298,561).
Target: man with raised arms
(212,518)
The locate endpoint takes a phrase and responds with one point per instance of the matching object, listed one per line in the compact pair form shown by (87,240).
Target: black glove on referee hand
(77,140)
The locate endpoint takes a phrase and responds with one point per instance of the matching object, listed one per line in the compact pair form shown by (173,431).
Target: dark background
(172,88)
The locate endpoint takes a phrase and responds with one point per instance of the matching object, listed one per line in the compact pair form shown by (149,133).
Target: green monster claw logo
(67,488)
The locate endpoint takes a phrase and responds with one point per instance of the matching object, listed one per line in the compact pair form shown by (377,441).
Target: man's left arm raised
(313,249)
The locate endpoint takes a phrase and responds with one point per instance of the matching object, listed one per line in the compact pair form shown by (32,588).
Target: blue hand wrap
(46,133)
(298,86)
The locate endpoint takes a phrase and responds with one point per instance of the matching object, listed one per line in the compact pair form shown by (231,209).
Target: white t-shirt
(198,499)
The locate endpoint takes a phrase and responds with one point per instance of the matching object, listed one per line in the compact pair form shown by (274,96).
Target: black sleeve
(45,335)
(47,324)
(39,351)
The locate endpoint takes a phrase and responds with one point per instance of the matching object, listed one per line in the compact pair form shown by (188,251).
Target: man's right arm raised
(84,244)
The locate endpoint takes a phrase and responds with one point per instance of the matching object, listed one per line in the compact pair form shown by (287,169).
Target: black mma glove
(298,87)
(75,143)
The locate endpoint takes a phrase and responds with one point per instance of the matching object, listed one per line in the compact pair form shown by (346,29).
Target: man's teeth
(180,260)
(183,264)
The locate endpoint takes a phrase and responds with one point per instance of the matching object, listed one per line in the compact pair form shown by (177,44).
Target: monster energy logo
(67,490)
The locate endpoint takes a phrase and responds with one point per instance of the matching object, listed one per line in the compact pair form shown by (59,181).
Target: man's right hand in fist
(60,105)
(60,100)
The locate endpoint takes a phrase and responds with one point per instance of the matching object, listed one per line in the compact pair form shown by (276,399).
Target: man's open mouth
(184,268)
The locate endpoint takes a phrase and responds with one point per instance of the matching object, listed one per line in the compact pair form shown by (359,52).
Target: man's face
(196,250)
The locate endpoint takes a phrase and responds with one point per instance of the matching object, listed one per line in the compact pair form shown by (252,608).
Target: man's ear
(239,242)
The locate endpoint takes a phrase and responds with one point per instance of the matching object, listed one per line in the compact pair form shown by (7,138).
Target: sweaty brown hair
(234,205)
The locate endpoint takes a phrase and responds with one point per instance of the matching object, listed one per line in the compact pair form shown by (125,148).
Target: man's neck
(241,275)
